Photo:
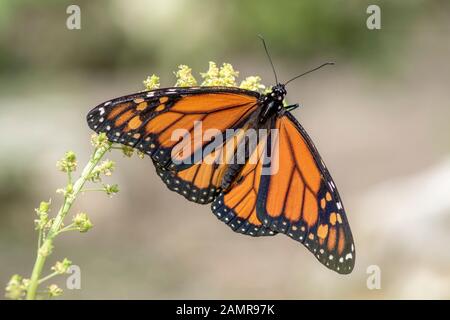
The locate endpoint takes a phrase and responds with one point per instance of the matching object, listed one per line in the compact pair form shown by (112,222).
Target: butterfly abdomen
(230,175)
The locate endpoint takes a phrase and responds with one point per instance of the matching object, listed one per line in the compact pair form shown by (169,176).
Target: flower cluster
(253,83)
(152,82)
(54,291)
(68,163)
(185,77)
(111,189)
(62,267)
(16,287)
(100,141)
(42,212)
(103,169)
(224,75)
(81,222)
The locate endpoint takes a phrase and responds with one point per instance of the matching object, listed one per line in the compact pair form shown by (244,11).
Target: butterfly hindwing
(236,206)
(199,183)
(299,198)
(167,123)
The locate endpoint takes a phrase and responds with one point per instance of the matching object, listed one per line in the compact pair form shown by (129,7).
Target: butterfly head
(278,93)
(273,102)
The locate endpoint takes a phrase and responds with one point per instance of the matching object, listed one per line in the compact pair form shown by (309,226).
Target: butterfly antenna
(268,56)
(305,73)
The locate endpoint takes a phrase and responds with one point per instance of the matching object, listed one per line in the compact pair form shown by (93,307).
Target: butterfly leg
(292,107)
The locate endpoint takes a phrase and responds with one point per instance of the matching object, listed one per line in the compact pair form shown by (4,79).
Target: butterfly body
(272,102)
(274,183)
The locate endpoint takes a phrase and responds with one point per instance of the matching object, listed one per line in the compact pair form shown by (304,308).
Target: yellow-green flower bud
(253,83)
(99,140)
(61,267)
(185,77)
(16,287)
(127,151)
(228,75)
(68,163)
(111,189)
(46,249)
(44,207)
(210,77)
(152,82)
(225,76)
(54,290)
(82,222)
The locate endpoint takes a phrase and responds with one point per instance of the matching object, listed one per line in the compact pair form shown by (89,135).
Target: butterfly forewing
(168,124)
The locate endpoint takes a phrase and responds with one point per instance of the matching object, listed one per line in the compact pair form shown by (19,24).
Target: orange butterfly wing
(237,205)
(202,182)
(234,200)
(300,199)
(162,123)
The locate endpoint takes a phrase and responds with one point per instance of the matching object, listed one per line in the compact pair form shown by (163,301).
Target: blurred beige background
(380,119)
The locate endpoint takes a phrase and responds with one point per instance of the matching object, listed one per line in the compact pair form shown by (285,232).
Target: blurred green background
(380,118)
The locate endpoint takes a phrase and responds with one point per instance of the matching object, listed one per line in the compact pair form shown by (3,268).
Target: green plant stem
(68,229)
(56,225)
(51,275)
(93,189)
(39,238)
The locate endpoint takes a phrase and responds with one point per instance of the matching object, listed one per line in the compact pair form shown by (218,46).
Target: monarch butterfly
(297,198)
